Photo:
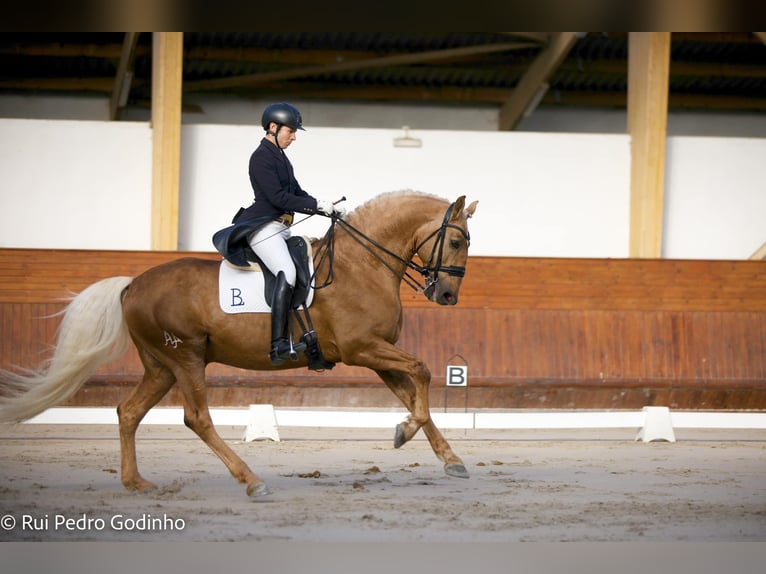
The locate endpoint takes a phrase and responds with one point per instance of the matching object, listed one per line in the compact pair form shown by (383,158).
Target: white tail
(91,333)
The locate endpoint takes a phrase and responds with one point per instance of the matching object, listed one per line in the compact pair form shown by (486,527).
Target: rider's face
(285,136)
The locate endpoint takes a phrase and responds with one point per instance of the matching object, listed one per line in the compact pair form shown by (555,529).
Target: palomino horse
(357,319)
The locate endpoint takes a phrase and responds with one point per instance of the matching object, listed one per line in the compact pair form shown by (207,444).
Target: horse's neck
(397,233)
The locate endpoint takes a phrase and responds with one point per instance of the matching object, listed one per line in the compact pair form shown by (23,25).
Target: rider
(277,197)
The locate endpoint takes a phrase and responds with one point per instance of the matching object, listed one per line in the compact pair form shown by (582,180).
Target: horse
(357,318)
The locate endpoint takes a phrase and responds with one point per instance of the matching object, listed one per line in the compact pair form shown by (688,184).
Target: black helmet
(282,114)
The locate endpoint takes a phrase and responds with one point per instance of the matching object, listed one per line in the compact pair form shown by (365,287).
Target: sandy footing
(62,483)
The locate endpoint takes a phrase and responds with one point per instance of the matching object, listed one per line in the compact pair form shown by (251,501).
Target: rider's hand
(327,208)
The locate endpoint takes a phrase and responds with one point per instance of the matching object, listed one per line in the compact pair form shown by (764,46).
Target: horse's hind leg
(403,388)
(155,384)
(197,418)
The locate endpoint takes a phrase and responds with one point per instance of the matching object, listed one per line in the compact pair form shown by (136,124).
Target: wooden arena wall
(535,333)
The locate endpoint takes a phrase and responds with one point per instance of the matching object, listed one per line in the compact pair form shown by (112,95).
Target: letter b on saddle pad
(249,289)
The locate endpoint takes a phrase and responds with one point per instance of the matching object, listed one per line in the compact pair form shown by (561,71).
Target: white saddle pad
(241,290)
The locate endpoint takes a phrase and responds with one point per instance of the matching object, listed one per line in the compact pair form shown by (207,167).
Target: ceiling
(722,71)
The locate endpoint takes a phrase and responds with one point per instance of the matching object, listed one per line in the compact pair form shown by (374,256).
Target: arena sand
(61,483)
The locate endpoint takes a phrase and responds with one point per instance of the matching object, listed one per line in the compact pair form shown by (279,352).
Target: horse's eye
(455,243)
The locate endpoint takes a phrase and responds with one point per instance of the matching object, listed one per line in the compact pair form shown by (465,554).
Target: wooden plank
(167,80)
(490,283)
(541,333)
(32,275)
(533,84)
(649,61)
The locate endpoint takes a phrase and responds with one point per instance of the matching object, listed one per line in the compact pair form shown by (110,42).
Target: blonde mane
(383,200)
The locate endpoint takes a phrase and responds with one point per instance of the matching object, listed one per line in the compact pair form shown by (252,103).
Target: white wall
(75,184)
(539,194)
(87,184)
(715,204)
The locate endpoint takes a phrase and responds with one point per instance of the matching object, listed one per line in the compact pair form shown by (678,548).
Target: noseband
(430,271)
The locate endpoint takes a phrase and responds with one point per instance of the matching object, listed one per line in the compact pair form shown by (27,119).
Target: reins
(429,272)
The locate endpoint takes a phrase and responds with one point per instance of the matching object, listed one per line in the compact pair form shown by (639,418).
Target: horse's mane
(382,200)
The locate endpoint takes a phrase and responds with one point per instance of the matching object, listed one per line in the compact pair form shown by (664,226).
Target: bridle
(430,271)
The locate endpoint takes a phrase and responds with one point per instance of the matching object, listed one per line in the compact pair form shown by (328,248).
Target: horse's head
(444,252)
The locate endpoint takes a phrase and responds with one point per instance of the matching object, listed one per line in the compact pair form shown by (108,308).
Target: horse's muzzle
(441,295)
(447,298)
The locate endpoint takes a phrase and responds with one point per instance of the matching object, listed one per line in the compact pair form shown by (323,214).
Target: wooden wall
(535,333)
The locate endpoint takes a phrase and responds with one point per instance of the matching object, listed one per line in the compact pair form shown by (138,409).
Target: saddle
(300,251)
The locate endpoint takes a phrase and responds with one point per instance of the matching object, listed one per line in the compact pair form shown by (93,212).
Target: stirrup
(282,349)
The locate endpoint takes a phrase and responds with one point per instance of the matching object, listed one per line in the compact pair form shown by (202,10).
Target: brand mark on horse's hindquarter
(171,339)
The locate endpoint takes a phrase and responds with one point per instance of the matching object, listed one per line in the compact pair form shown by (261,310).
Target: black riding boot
(280,308)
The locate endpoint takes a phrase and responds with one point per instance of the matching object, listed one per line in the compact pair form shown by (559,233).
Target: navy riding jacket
(276,192)
(274,185)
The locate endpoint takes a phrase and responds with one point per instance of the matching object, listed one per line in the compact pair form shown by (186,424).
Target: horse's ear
(457,211)
(471,209)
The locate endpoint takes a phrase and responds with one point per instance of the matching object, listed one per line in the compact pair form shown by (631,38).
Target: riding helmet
(282,114)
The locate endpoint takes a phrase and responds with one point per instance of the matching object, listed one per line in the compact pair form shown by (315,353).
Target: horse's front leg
(414,395)
(409,378)
(402,387)
(383,357)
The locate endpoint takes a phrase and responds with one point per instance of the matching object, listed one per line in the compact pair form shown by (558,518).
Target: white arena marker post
(658,425)
(262,424)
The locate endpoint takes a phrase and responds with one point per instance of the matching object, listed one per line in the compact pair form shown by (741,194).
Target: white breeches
(269,243)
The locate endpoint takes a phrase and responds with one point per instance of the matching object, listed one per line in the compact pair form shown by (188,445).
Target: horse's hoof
(399,436)
(140,486)
(456,469)
(258,490)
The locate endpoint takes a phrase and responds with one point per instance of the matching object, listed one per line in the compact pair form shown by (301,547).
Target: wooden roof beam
(760,253)
(124,76)
(383,61)
(541,37)
(67,50)
(533,85)
(405,93)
